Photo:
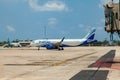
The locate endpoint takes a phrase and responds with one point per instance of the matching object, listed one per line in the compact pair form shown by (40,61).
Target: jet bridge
(112,18)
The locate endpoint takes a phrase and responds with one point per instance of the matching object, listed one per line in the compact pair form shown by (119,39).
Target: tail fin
(8,41)
(62,39)
(90,35)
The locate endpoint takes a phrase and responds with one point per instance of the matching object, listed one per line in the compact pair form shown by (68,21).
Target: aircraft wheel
(59,49)
(38,48)
(62,48)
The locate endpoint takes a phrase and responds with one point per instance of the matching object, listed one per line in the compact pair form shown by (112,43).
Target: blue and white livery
(59,44)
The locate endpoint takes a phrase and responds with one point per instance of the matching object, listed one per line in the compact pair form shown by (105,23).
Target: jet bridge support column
(112,18)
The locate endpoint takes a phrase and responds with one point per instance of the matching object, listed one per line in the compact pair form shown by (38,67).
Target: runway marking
(115,65)
(35,63)
(90,75)
(75,58)
(103,62)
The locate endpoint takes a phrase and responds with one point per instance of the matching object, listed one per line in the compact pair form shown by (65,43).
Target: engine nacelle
(49,46)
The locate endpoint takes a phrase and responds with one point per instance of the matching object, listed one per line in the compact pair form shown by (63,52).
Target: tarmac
(73,63)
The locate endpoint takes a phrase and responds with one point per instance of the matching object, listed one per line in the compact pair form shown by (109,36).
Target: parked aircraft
(11,44)
(59,44)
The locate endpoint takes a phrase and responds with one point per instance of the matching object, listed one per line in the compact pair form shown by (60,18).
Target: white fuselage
(66,42)
(15,44)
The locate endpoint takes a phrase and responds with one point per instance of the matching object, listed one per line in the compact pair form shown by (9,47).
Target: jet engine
(49,46)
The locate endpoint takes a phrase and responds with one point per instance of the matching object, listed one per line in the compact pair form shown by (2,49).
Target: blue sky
(27,19)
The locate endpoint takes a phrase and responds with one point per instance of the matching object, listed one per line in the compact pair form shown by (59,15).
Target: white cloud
(103,2)
(52,5)
(52,22)
(10,28)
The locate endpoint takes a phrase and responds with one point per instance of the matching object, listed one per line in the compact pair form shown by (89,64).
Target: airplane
(11,44)
(59,44)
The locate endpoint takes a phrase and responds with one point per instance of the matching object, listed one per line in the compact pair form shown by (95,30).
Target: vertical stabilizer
(90,35)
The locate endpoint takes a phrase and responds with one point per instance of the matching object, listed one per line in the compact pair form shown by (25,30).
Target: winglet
(62,39)
(58,44)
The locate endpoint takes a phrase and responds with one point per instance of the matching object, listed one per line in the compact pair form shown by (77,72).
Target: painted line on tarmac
(90,75)
(72,59)
(97,74)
